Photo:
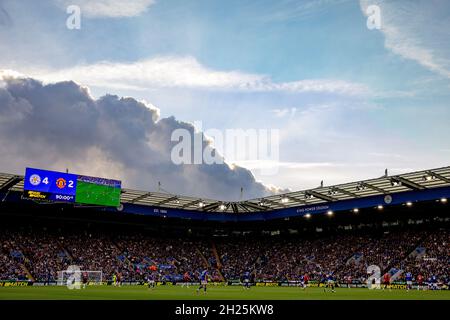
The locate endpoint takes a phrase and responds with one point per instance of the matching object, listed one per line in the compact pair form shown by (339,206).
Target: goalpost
(73,278)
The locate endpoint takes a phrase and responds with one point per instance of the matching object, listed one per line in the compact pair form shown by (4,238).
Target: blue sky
(348,101)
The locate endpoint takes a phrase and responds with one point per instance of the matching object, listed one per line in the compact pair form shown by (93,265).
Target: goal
(73,278)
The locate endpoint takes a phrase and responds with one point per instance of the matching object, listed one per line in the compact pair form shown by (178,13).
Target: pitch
(214,293)
(92,193)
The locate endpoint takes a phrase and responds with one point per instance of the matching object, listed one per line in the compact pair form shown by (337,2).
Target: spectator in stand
(137,256)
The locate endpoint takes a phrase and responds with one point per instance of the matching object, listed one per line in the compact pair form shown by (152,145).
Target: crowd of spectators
(346,257)
(40,254)
(432,259)
(129,257)
(385,251)
(95,252)
(11,258)
(239,256)
(173,257)
(284,260)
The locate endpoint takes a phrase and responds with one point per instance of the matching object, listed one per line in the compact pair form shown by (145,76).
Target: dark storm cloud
(60,125)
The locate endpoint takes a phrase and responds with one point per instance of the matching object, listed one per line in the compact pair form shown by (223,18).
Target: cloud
(187,72)
(265,164)
(108,8)
(286,10)
(58,126)
(417,31)
(281,113)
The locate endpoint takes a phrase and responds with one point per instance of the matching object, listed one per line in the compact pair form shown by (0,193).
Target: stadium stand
(44,253)
(402,225)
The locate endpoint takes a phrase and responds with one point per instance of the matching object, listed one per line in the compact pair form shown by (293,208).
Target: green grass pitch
(91,193)
(219,293)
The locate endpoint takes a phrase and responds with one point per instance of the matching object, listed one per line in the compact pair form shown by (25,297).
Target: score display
(66,187)
(49,185)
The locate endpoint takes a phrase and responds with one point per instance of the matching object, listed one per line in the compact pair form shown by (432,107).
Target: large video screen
(66,187)
(99,191)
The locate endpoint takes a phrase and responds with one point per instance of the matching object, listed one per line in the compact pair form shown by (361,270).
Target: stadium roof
(419,180)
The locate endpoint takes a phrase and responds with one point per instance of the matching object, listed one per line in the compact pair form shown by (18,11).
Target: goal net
(74,278)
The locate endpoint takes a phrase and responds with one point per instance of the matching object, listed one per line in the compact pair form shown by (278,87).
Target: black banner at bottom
(228,309)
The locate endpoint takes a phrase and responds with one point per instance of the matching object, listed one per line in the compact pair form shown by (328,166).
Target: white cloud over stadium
(58,126)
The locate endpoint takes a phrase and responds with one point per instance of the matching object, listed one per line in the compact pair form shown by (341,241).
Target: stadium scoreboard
(66,187)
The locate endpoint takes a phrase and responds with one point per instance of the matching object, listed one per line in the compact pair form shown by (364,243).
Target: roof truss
(420,180)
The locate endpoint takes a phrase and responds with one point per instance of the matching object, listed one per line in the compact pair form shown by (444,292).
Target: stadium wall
(343,205)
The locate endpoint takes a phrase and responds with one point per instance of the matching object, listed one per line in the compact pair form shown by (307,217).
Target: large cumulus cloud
(58,126)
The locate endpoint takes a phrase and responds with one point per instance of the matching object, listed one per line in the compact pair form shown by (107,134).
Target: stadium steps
(416,251)
(216,255)
(353,258)
(205,261)
(403,259)
(68,254)
(395,273)
(218,261)
(356,255)
(25,269)
(126,262)
(23,264)
(413,248)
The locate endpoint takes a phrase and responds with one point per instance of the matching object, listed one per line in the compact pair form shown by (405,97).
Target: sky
(348,101)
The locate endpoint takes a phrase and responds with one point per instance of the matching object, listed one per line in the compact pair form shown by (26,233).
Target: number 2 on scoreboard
(70,183)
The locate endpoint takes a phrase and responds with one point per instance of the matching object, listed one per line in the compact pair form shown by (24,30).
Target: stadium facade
(426,185)
(400,223)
